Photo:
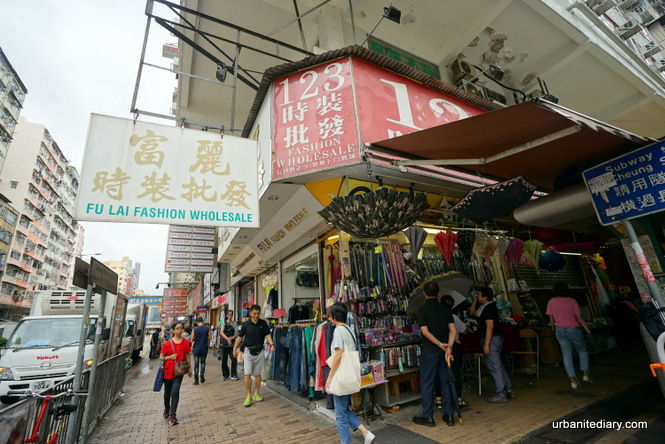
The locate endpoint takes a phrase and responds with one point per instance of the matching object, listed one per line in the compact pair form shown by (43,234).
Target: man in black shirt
(438,330)
(154,344)
(491,340)
(251,334)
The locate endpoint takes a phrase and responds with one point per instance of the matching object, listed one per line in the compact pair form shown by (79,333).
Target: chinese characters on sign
(147,173)
(315,125)
(629,186)
(316,113)
(174,302)
(189,249)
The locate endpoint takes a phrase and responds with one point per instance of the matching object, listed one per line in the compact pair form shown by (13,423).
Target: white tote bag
(346,379)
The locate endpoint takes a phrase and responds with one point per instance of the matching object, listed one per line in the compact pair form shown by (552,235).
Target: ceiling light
(273,197)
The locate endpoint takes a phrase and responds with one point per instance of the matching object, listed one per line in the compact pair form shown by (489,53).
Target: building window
(13,185)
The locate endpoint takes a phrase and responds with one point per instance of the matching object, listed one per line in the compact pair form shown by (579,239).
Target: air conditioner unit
(600,6)
(462,70)
(495,96)
(475,89)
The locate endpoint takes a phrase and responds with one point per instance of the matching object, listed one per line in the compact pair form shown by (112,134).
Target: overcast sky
(78,57)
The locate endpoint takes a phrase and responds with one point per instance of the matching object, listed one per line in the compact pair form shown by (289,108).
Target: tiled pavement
(213,412)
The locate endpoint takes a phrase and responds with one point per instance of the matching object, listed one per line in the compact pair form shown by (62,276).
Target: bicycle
(58,412)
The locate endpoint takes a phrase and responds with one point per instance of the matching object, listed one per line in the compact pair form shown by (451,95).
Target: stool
(467,360)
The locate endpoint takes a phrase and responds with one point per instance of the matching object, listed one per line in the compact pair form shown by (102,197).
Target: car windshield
(51,332)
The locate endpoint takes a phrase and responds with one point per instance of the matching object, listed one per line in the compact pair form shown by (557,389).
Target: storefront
(374,128)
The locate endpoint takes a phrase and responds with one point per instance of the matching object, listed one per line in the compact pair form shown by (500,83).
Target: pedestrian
(346,420)
(252,334)
(565,319)
(456,364)
(187,334)
(438,331)
(229,335)
(201,337)
(174,350)
(491,340)
(154,343)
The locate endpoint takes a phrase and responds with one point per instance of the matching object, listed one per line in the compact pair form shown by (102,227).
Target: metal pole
(644,264)
(93,369)
(353,22)
(235,83)
(148,11)
(71,424)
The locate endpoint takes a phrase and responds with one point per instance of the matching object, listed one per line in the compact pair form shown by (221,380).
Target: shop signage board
(189,249)
(174,302)
(148,173)
(325,113)
(206,288)
(102,277)
(629,186)
(148,300)
(292,221)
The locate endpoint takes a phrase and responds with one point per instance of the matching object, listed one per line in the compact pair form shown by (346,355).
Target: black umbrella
(416,236)
(497,200)
(453,283)
(375,214)
(451,379)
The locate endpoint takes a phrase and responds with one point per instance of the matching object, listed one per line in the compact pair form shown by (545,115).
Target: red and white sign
(316,113)
(189,249)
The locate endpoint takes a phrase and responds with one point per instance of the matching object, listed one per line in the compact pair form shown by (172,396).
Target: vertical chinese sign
(147,173)
(189,249)
(315,121)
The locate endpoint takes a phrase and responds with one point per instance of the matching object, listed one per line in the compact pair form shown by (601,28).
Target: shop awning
(538,140)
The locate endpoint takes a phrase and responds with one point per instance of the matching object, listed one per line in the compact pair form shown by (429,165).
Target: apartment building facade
(12,95)
(128,274)
(38,178)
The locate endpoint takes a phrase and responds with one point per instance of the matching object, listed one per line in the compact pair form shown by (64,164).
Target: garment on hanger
(298,312)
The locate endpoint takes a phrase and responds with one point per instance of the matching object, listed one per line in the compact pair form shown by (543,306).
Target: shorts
(254,365)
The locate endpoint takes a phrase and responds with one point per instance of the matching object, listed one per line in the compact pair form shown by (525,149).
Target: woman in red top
(176,350)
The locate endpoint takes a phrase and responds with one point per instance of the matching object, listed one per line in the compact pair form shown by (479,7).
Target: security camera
(157,287)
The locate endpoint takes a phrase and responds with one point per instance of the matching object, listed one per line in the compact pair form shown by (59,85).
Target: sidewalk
(213,412)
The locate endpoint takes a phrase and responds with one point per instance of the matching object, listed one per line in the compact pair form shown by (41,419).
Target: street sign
(102,277)
(81,269)
(629,186)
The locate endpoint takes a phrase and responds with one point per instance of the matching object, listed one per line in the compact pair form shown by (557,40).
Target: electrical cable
(501,84)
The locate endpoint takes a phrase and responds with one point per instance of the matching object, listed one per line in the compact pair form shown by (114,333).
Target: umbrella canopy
(416,236)
(375,214)
(551,261)
(496,200)
(445,241)
(454,283)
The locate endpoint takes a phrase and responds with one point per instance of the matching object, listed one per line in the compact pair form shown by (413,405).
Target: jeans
(345,418)
(495,366)
(567,337)
(226,353)
(281,355)
(172,394)
(432,367)
(295,366)
(199,360)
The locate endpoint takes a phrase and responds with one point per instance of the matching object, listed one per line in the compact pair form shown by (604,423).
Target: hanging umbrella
(445,241)
(416,236)
(480,245)
(491,248)
(453,283)
(465,242)
(551,261)
(514,251)
(532,249)
(375,214)
(501,248)
(496,200)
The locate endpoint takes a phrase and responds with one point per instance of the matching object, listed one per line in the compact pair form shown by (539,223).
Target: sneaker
(369,439)
(166,413)
(203,379)
(225,378)
(511,394)
(234,378)
(499,397)
(173,420)
(195,383)
(587,378)
(248,401)
(574,385)
(257,398)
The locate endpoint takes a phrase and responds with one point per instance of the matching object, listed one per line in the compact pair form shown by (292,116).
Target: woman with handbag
(343,342)
(176,354)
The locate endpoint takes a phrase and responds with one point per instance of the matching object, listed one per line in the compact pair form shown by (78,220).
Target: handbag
(181,367)
(159,379)
(346,379)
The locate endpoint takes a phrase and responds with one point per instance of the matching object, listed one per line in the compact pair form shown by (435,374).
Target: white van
(43,348)
(134,334)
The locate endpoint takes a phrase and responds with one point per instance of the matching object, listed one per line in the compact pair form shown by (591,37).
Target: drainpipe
(618,41)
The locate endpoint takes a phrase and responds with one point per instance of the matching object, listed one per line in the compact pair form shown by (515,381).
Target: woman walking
(344,417)
(565,319)
(175,350)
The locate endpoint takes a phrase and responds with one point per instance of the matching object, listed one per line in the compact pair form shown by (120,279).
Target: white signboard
(147,173)
(182,254)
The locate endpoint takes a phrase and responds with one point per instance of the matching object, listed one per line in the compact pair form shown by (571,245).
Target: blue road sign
(629,186)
